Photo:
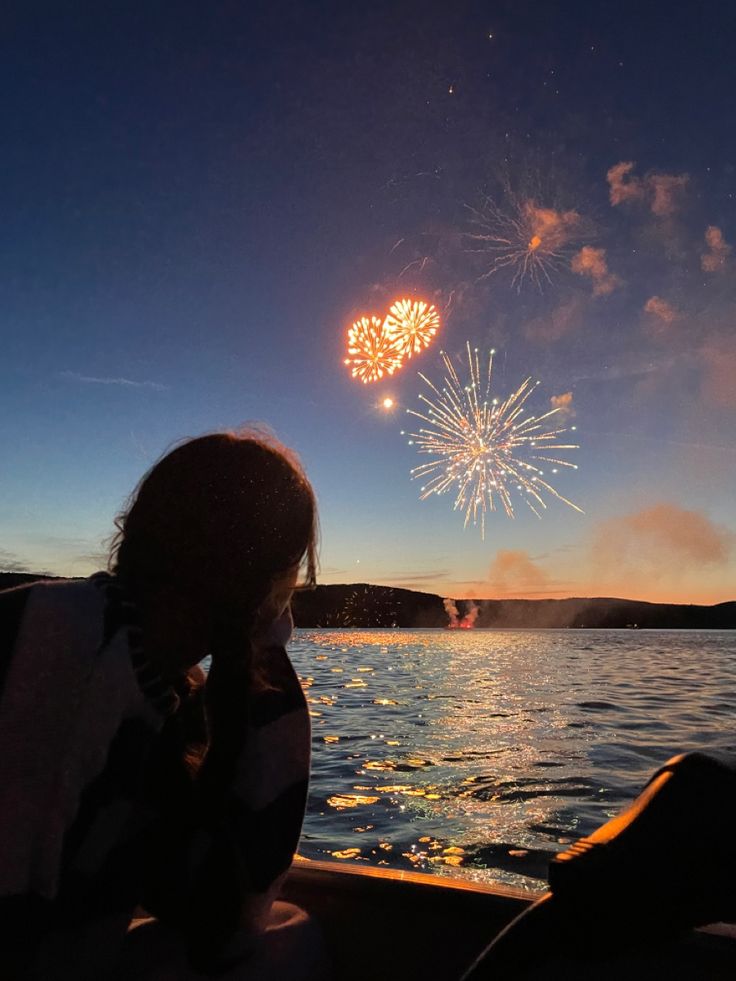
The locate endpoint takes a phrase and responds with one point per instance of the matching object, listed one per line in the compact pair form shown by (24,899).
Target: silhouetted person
(126,778)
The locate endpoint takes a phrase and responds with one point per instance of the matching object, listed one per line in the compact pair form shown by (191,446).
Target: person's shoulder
(45,595)
(12,604)
(18,582)
(12,586)
(53,587)
(14,595)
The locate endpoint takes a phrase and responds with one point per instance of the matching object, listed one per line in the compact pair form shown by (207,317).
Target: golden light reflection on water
(347,853)
(479,754)
(428,851)
(342,801)
(365,682)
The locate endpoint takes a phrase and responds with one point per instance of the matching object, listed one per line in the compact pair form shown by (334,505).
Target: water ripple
(481,753)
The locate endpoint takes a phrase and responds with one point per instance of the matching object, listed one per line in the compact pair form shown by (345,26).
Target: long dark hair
(226,514)
(218,521)
(221,522)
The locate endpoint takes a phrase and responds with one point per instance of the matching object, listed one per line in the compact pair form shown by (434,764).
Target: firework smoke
(451,610)
(532,241)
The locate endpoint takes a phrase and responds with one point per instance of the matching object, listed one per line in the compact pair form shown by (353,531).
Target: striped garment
(99,809)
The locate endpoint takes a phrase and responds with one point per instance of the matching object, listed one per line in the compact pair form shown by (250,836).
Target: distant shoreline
(365,605)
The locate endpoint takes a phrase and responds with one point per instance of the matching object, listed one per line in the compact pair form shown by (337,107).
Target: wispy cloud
(407,578)
(666,192)
(661,192)
(622,185)
(619,372)
(96,559)
(591,262)
(662,310)
(333,570)
(513,573)
(714,260)
(10,562)
(551,229)
(124,382)
(563,403)
(46,554)
(658,542)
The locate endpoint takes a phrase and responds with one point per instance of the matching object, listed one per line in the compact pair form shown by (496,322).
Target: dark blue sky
(197,200)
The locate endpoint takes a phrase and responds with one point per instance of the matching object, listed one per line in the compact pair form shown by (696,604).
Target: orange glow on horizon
(589,588)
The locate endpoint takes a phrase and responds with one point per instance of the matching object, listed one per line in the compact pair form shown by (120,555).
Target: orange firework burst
(373,351)
(413,324)
(534,242)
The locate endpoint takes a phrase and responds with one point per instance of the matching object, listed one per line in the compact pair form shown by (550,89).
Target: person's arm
(239,820)
(22,918)
(12,605)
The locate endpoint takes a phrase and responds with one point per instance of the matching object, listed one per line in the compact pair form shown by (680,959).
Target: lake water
(480,753)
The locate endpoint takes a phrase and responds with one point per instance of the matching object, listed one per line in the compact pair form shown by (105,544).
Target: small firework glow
(533,241)
(373,351)
(413,323)
(484,450)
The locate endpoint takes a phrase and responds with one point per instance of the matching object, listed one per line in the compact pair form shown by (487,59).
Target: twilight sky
(199,199)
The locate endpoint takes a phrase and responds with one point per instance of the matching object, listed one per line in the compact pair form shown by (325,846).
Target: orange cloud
(623,187)
(591,262)
(563,403)
(661,192)
(661,309)
(550,229)
(659,542)
(714,260)
(513,573)
(666,190)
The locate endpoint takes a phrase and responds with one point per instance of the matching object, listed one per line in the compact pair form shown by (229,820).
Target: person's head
(225,520)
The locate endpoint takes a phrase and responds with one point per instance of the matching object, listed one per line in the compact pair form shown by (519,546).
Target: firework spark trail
(373,351)
(413,324)
(535,242)
(483,449)
(420,263)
